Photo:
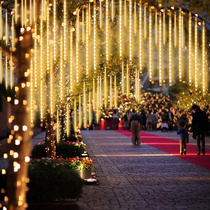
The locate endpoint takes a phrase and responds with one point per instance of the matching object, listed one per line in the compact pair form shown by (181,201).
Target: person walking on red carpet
(199,127)
(184,138)
(135,125)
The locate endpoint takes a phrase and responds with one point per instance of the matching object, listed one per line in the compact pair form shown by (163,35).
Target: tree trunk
(21,142)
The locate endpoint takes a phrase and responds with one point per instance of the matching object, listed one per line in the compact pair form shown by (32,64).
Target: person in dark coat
(135,125)
(199,127)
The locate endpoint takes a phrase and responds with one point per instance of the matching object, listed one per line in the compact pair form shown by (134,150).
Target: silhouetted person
(199,127)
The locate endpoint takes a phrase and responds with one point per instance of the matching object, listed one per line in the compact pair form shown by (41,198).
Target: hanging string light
(156,27)
(196,53)
(75,114)
(22,13)
(51,84)
(100,10)
(145,21)
(120,28)
(61,68)
(64,32)
(41,66)
(94,94)
(130,30)
(31,12)
(182,17)
(170,50)
(87,47)
(11,71)
(150,45)
(110,94)
(105,88)
(203,59)
(128,84)
(90,111)
(94,37)
(107,30)
(164,27)
(80,110)
(180,44)
(160,48)
(123,83)
(89,18)
(13,31)
(190,48)
(140,38)
(77,44)
(6,72)
(54,31)
(135,24)
(175,30)
(125,12)
(16,11)
(71,59)
(6,29)
(84,105)
(113,10)
(115,90)
(31,89)
(83,25)
(35,55)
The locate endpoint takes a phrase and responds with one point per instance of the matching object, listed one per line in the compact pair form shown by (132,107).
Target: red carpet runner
(172,147)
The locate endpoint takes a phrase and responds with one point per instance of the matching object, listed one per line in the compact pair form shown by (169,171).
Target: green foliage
(69,149)
(39,151)
(51,180)
(185,96)
(63,149)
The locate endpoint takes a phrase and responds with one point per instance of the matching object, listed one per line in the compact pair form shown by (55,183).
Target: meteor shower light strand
(64,31)
(54,30)
(77,46)
(145,21)
(120,27)
(94,37)
(203,58)
(87,40)
(71,59)
(107,31)
(130,30)
(170,49)
(150,45)
(140,38)
(175,36)
(196,53)
(41,66)
(35,55)
(180,45)
(190,48)
(160,49)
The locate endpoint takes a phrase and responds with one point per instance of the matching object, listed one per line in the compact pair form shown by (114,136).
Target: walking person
(199,127)
(125,121)
(155,120)
(135,125)
(184,138)
(115,119)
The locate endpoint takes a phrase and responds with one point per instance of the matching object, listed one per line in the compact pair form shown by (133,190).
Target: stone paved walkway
(139,178)
(136,178)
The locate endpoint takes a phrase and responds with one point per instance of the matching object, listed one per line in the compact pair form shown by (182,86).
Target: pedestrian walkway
(142,177)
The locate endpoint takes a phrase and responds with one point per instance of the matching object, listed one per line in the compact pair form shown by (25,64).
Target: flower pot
(85,174)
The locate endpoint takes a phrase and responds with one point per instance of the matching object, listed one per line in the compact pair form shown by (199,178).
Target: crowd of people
(157,112)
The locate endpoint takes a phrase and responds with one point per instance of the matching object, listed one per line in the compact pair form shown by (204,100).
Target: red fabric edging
(172,147)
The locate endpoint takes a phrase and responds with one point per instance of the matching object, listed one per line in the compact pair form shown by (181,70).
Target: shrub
(69,149)
(64,149)
(39,151)
(50,179)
